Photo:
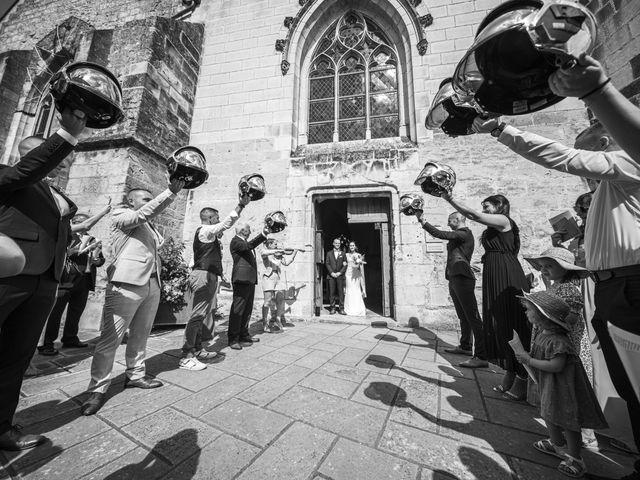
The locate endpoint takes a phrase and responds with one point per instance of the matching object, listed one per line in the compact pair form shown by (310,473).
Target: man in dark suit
(36,216)
(336,263)
(462,284)
(244,279)
(79,278)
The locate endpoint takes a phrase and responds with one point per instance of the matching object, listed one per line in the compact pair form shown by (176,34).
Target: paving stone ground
(318,401)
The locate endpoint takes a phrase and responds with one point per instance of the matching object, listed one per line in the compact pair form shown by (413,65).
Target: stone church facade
(324,98)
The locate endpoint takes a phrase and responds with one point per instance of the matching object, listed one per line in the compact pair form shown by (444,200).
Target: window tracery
(353,83)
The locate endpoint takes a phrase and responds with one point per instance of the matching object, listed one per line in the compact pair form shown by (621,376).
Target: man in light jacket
(133,292)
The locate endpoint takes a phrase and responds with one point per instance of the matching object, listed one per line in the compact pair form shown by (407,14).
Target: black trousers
(241,307)
(76,297)
(336,291)
(25,303)
(618,301)
(462,291)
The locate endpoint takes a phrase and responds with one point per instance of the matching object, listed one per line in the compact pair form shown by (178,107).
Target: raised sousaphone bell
(275,221)
(91,88)
(517,47)
(410,203)
(252,185)
(436,179)
(189,165)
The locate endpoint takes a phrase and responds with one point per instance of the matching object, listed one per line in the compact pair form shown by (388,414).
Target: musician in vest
(203,280)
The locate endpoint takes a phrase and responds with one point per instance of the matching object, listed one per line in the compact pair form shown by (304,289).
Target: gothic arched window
(353,83)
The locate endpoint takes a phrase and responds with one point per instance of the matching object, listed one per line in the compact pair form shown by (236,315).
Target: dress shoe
(474,362)
(250,339)
(144,382)
(12,440)
(47,350)
(332,312)
(92,404)
(236,346)
(459,351)
(76,344)
(342,312)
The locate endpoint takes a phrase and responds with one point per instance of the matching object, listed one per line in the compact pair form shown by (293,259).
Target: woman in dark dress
(502,280)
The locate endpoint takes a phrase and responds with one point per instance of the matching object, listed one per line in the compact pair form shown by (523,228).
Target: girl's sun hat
(564,257)
(551,306)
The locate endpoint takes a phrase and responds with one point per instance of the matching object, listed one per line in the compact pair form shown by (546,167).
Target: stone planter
(165,316)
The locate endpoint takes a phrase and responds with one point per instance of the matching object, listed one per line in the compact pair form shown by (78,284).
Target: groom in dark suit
(336,263)
(36,216)
(244,279)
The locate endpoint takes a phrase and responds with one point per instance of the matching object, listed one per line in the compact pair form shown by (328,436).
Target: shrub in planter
(174,275)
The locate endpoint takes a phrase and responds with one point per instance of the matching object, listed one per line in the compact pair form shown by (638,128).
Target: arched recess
(391,16)
(66,43)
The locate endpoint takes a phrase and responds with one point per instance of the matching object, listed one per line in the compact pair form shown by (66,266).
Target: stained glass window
(353,83)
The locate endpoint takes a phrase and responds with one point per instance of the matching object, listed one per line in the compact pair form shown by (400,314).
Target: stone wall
(30,20)
(247,117)
(157,62)
(13,72)
(619,42)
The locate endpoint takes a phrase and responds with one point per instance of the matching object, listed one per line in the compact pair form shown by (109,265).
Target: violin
(289,250)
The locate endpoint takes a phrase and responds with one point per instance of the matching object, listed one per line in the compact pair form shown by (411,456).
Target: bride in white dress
(354,283)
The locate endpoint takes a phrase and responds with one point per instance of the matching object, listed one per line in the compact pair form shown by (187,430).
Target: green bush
(174,275)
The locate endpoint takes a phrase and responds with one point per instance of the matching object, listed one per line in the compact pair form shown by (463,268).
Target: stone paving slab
(44,405)
(294,456)
(83,458)
(205,400)
(269,389)
(172,435)
(194,381)
(136,463)
(377,391)
(220,460)
(315,359)
(515,414)
(249,422)
(343,372)
(150,401)
(319,401)
(337,415)
(349,460)
(416,405)
(250,368)
(334,386)
(441,454)
(64,431)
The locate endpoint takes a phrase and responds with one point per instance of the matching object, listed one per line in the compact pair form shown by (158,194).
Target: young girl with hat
(567,401)
(562,275)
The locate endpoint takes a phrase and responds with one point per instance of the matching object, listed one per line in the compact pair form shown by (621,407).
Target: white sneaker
(205,354)
(191,363)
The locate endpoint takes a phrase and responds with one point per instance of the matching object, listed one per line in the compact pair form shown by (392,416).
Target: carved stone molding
(422,46)
(426,20)
(293,23)
(284,66)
